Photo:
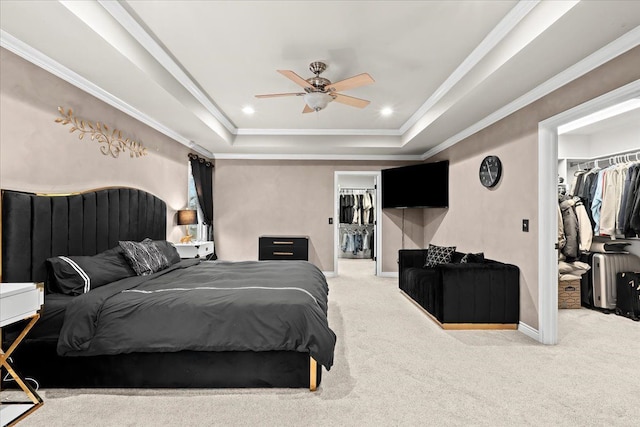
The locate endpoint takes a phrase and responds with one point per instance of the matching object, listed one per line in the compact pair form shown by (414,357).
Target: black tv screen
(417,186)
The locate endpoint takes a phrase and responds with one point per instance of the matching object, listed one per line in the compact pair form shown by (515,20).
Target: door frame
(377,229)
(548,200)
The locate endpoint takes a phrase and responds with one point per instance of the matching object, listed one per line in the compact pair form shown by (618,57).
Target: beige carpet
(394,366)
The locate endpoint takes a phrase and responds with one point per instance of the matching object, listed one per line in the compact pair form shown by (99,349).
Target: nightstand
(19,301)
(194,249)
(295,248)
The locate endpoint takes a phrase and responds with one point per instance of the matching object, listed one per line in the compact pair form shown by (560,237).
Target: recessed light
(387,111)
(248,110)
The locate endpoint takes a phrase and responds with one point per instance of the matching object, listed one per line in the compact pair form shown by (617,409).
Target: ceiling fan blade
(296,78)
(350,100)
(276,95)
(352,82)
(307,109)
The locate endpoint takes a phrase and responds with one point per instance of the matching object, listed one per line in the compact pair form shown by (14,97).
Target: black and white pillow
(472,258)
(75,275)
(144,257)
(437,255)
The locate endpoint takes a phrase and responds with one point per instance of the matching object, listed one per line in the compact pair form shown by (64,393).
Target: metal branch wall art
(110,139)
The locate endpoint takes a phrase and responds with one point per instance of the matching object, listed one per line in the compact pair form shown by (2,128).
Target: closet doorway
(548,156)
(356,220)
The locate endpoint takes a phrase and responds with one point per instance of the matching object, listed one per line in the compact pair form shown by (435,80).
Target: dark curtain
(202,171)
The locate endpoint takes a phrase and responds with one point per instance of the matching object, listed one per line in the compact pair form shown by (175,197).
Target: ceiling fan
(319,92)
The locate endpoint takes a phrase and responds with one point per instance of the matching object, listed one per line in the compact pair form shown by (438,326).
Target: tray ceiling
(188,68)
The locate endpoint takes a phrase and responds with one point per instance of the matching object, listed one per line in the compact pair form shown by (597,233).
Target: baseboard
(329,273)
(389,274)
(529,331)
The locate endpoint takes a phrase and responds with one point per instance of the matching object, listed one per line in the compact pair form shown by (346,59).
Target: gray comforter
(207,306)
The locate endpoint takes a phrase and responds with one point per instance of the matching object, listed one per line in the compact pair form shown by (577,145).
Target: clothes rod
(622,157)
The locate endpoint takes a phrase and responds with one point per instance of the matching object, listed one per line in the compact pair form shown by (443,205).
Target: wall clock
(490,171)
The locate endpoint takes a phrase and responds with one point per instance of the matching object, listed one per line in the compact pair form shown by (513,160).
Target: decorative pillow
(75,275)
(169,251)
(456,257)
(438,255)
(472,258)
(144,257)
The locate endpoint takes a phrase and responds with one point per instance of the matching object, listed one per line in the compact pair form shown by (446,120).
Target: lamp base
(186,239)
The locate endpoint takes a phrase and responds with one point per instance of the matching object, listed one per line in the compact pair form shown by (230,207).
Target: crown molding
(619,46)
(628,41)
(124,18)
(499,32)
(41,60)
(320,132)
(348,157)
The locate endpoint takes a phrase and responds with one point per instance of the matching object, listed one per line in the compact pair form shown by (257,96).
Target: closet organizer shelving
(357,223)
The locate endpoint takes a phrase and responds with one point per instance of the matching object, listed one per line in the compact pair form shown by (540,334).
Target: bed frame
(38,226)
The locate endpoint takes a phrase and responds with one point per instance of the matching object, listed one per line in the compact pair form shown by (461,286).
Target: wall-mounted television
(425,185)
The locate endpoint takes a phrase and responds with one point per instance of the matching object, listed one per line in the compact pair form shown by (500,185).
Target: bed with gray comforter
(205,306)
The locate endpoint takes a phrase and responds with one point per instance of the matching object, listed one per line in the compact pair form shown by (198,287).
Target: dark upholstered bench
(482,295)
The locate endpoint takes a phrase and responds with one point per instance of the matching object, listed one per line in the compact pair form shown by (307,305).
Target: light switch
(525,225)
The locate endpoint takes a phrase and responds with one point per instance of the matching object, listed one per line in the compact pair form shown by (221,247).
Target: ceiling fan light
(317,100)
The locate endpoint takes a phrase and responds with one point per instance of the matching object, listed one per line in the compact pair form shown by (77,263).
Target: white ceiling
(447,68)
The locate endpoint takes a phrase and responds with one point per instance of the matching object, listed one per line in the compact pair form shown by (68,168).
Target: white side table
(19,301)
(194,249)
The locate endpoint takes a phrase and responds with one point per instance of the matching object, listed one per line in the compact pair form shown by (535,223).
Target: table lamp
(187,217)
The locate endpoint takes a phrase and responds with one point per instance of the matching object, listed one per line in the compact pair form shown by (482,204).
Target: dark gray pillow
(169,251)
(438,255)
(472,258)
(75,275)
(144,257)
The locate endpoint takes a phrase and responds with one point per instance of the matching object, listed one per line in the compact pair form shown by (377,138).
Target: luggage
(628,295)
(599,288)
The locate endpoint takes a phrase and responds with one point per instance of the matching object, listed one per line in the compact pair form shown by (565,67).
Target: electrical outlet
(525,225)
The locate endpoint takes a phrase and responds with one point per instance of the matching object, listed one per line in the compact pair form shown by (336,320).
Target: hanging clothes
(356,206)
(627,193)
(585,235)
(356,241)
(611,197)
(366,208)
(570,224)
(633,219)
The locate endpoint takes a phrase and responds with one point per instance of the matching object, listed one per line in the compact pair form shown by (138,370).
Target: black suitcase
(586,283)
(628,295)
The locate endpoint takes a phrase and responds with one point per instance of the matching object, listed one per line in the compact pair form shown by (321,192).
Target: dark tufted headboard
(36,227)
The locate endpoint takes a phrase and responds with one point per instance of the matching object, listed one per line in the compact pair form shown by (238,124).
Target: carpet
(395,367)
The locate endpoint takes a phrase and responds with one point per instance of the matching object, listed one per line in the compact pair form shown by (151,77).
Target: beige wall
(39,155)
(295,197)
(480,219)
(252,197)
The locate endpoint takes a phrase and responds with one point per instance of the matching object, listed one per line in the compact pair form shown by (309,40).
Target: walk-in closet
(598,209)
(357,218)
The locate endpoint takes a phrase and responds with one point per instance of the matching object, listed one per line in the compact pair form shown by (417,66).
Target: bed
(190,323)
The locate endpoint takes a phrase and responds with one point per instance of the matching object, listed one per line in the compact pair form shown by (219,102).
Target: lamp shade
(187,217)
(317,100)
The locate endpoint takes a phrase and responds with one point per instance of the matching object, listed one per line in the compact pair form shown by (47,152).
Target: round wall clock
(490,171)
